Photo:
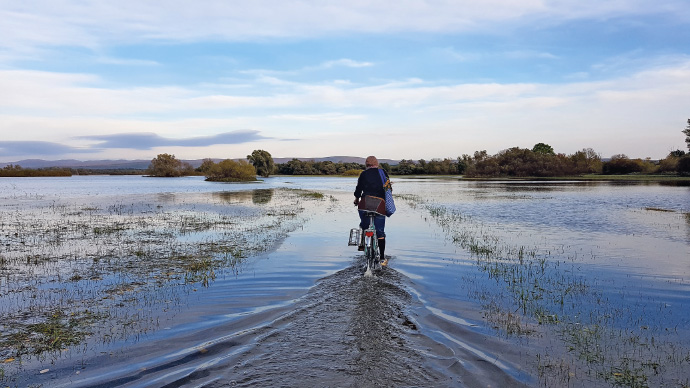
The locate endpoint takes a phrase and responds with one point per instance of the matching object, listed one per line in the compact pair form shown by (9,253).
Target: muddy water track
(349,330)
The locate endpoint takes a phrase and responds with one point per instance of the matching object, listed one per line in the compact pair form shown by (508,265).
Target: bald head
(371,162)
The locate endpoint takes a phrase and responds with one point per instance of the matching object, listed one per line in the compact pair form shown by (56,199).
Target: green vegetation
(54,332)
(432,167)
(542,148)
(17,171)
(230,170)
(310,167)
(312,195)
(683,166)
(354,172)
(686,131)
(262,162)
(522,162)
(166,165)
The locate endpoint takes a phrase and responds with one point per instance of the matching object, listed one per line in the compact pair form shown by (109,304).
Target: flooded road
(447,311)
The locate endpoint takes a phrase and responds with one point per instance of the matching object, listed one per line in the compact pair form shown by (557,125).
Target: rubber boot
(382,250)
(361,243)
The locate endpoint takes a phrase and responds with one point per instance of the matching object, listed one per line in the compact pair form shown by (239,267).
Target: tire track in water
(348,331)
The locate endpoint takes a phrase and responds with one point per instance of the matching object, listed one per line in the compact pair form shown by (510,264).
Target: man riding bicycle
(369,183)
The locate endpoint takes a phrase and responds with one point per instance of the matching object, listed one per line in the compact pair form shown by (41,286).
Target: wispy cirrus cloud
(93,24)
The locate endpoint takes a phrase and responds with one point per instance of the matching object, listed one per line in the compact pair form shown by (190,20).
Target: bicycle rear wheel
(371,250)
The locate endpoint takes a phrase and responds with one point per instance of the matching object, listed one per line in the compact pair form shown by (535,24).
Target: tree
(463,162)
(586,161)
(206,165)
(621,164)
(543,148)
(166,165)
(684,165)
(686,131)
(405,167)
(231,171)
(262,161)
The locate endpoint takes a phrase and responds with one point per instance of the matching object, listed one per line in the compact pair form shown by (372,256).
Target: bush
(621,164)
(684,166)
(522,162)
(231,171)
(17,171)
(668,165)
(586,161)
(166,165)
(352,173)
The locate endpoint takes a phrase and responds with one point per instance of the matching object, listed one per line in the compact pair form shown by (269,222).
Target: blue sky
(406,79)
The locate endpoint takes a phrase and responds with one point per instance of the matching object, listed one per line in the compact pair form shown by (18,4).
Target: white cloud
(95,23)
(323,117)
(602,114)
(126,61)
(60,94)
(344,62)
(63,94)
(528,54)
(272,76)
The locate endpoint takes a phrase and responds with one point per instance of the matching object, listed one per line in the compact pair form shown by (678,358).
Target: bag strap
(386,184)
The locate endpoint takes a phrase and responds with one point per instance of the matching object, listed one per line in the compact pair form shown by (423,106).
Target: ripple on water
(348,330)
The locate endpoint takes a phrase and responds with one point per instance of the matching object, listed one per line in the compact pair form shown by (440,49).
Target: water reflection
(256,196)
(165,197)
(675,183)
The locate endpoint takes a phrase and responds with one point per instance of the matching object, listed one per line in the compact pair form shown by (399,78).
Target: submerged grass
(73,274)
(535,290)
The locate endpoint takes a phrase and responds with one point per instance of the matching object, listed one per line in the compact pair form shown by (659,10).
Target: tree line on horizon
(540,161)
(15,170)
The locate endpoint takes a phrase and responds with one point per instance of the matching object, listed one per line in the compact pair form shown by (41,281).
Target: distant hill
(336,159)
(144,164)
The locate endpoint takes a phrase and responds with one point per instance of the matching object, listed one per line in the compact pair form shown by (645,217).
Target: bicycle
(371,245)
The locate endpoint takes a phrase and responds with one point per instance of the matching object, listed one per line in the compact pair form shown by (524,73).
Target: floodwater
(498,284)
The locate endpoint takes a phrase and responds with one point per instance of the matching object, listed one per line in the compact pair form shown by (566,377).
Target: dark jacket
(370,183)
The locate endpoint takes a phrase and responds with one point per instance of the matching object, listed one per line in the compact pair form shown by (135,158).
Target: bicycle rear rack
(355,236)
